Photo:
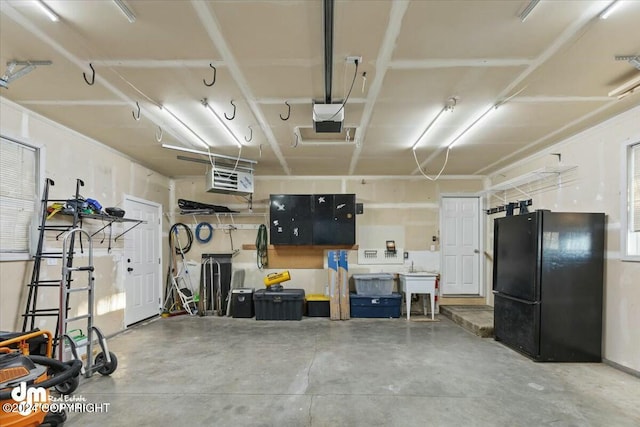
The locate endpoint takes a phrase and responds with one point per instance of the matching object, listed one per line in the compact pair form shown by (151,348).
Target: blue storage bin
(375,306)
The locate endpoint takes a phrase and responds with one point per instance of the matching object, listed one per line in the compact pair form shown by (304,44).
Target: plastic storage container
(318,305)
(242,303)
(286,304)
(374,284)
(377,306)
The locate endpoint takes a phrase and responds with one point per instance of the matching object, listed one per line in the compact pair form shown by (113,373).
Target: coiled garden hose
(173,232)
(199,227)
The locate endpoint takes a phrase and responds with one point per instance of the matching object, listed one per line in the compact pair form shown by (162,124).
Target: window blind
(635,187)
(18,183)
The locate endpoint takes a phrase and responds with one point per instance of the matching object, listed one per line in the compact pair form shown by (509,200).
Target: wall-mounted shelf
(219,225)
(531,177)
(110,220)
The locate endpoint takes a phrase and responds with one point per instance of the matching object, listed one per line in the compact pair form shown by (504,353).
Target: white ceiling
(550,74)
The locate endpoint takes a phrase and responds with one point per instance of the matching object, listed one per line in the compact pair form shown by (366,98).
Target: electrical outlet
(353,59)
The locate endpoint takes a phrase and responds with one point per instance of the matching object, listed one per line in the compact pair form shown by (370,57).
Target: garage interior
(347,149)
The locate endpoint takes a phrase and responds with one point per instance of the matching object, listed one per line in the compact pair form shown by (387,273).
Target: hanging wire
(446,160)
(355,74)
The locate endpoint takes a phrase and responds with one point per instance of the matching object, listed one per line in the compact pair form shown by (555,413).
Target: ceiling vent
(328,118)
(229,180)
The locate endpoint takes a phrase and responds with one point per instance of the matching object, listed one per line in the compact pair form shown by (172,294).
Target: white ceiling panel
(551,74)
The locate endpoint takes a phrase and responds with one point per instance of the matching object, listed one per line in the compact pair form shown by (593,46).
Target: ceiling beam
(156,63)
(578,27)
(549,135)
(300,101)
(419,64)
(21,20)
(79,103)
(398,10)
(210,24)
(553,99)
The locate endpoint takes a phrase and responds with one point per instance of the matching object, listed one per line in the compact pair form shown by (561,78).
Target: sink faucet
(411,270)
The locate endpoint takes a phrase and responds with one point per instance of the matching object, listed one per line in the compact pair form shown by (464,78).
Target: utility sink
(420,274)
(419,282)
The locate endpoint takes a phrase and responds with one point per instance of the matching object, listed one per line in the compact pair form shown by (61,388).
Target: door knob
(475,251)
(129,269)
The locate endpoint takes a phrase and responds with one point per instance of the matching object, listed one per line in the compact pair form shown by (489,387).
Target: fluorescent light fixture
(196,137)
(478,120)
(626,88)
(527,10)
(206,153)
(610,9)
(47,11)
(451,103)
(131,17)
(221,122)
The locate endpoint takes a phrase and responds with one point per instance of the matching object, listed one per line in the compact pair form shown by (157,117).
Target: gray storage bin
(374,284)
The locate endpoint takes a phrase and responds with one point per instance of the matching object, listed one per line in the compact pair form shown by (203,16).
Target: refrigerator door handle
(524,301)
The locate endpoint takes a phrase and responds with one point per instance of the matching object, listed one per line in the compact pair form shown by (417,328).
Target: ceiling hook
(295,144)
(288,113)
(250,137)
(234,112)
(159,134)
(136,117)
(93,75)
(214,77)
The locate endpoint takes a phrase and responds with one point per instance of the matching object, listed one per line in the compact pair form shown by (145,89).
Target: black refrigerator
(548,270)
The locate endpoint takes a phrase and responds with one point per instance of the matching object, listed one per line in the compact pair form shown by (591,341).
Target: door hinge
(159,261)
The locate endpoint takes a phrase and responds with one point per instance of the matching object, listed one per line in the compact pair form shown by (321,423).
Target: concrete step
(477,319)
(462,300)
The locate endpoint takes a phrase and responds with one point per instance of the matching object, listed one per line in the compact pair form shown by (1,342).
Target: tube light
(527,10)
(131,17)
(221,122)
(197,137)
(610,9)
(627,88)
(478,120)
(451,103)
(207,153)
(48,11)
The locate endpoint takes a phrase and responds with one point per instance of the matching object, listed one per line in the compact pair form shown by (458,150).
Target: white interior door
(143,287)
(460,245)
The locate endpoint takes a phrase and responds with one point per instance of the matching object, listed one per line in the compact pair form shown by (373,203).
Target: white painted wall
(594,186)
(108,175)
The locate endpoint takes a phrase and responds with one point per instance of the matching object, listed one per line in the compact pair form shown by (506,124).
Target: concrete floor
(211,371)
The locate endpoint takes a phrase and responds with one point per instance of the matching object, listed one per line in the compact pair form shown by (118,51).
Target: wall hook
(159,134)
(93,75)
(288,113)
(214,77)
(234,112)
(136,116)
(250,137)
(295,144)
